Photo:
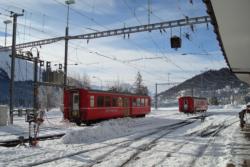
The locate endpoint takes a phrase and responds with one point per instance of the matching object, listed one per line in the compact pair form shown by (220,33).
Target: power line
(57,19)
(156,45)
(81,14)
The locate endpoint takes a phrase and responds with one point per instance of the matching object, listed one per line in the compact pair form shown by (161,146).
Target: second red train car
(87,106)
(189,104)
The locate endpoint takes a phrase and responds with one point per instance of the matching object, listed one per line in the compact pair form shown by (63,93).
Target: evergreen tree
(139,87)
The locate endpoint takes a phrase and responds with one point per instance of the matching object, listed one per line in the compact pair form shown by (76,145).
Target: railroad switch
(34,119)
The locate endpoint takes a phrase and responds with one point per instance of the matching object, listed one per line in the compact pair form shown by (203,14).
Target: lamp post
(98,79)
(68,2)
(6,22)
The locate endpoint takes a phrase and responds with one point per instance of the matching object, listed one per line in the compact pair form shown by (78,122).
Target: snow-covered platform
(240,146)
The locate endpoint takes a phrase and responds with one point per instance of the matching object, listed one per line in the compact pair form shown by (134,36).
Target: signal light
(175,42)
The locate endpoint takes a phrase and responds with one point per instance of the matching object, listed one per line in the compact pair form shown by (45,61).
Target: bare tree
(85,81)
(118,86)
(50,97)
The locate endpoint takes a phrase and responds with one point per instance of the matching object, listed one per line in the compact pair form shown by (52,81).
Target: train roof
(109,92)
(193,97)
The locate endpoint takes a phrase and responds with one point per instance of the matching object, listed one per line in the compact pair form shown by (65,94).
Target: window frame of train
(114,101)
(120,101)
(142,102)
(138,102)
(134,104)
(125,102)
(92,101)
(107,101)
(75,101)
(146,101)
(100,101)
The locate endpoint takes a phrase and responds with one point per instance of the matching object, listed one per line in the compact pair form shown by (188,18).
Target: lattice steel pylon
(121,31)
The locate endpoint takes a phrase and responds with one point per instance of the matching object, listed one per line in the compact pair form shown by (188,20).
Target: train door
(185,105)
(75,110)
(126,106)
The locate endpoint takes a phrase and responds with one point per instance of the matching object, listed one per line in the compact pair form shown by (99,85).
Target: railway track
(13,143)
(117,145)
(204,133)
(43,129)
(176,149)
(151,144)
(143,147)
(212,135)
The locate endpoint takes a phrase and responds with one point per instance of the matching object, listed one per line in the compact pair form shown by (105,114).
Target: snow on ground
(148,141)
(53,123)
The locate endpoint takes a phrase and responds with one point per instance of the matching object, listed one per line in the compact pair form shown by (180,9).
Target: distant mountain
(213,83)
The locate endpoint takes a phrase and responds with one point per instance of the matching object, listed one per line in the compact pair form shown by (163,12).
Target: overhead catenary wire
(155,44)
(81,14)
(99,54)
(33,12)
(205,52)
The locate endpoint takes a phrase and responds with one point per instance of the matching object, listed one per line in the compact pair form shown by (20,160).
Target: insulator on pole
(41,63)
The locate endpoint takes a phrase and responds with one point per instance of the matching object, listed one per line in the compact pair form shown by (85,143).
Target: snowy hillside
(220,84)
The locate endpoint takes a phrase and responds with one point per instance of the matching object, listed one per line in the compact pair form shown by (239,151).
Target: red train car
(87,106)
(189,104)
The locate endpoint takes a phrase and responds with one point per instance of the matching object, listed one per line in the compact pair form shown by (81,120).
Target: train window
(146,102)
(142,102)
(185,101)
(125,102)
(134,102)
(114,101)
(100,101)
(138,102)
(76,98)
(119,102)
(107,101)
(92,101)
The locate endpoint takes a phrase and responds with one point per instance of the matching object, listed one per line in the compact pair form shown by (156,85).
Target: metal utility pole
(6,22)
(168,77)
(156,98)
(192,91)
(149,10)
(13,55)
(156,93)
(68,2)
(35,84)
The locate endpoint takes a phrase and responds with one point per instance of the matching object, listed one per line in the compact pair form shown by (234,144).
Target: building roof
(231,25)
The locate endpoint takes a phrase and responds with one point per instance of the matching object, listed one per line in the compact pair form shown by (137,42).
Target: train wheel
(78,123)
(88,123)
(140,116)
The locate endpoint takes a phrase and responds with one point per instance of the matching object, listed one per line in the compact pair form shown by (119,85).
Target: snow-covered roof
(230,20)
